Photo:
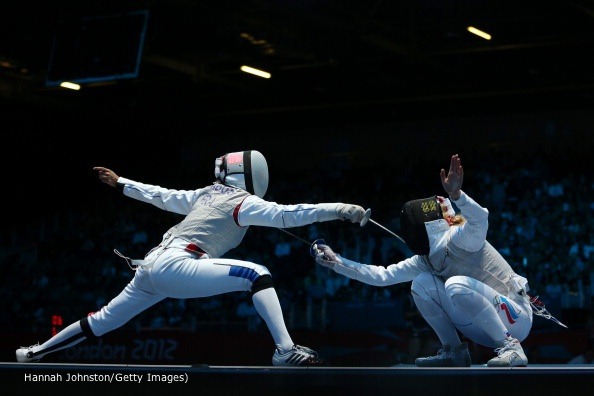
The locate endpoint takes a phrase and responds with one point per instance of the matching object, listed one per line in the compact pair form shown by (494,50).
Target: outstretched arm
(258,212)
(452,182)
(177,201)
(376,275)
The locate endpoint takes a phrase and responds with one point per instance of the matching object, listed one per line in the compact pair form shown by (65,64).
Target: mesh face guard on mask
(413,217)
(247,170)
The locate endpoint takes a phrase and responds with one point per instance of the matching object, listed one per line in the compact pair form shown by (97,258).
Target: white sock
(268,306)
(68,337)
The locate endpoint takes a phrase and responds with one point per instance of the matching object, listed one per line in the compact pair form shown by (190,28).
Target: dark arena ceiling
(179,99)
(373,58)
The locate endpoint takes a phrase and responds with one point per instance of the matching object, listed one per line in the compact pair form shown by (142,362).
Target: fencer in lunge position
(188,264)
(460,283)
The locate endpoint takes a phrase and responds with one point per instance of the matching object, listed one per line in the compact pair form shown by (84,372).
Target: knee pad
(263,282)
(86,328)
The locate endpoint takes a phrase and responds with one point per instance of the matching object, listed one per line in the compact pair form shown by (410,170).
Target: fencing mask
(413,217)
(247,170)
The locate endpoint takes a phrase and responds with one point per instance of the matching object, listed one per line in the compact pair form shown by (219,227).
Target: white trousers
(174,273)
(473,308)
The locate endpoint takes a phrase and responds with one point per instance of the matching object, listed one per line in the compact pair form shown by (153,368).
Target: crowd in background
(540,220)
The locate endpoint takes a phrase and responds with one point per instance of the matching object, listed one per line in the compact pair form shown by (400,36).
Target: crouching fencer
(460,282)
(188,264)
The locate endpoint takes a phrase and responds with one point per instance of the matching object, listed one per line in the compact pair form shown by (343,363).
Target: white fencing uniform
(463,283)
(186,264)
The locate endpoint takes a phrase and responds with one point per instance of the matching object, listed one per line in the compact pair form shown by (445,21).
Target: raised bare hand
(452,182)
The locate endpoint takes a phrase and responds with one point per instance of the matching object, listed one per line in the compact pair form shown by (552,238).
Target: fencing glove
(325,256)
(354,213)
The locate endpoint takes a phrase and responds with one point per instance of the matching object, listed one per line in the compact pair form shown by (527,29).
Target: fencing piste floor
(63,379)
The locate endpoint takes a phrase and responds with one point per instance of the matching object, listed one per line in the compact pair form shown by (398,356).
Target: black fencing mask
(413,217)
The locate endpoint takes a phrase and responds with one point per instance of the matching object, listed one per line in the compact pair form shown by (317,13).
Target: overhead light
(255,72)
(69,85)
(479,33)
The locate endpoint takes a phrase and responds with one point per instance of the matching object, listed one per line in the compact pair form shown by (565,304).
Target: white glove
(354,213)
(325,256)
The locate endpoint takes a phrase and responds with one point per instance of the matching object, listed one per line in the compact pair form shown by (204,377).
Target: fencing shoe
(25,355)
(297,356)
(447,357)
(510,354)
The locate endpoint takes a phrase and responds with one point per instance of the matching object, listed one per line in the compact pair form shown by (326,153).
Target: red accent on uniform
(236,213)
(192,247)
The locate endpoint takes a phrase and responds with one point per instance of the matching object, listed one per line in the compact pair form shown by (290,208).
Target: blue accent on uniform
(244,272)
(510,308)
